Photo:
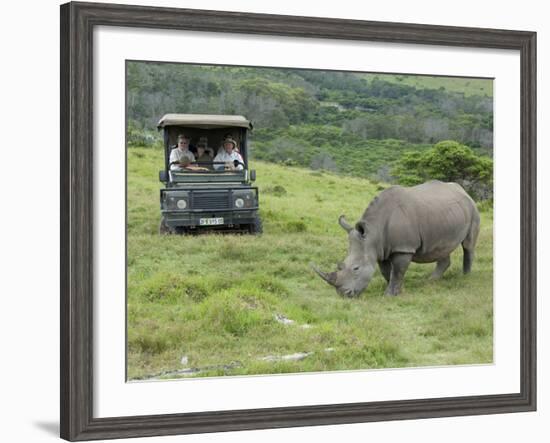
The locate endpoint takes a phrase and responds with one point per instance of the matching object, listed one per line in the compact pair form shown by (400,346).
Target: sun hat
(230,140)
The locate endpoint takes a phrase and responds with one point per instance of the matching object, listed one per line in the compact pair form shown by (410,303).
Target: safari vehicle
(208,196)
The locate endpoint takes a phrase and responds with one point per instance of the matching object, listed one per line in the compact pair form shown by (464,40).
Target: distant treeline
(360,105)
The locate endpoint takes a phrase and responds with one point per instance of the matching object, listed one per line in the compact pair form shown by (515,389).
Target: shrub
(296,226)
(276,190)
(163,287)
(448,161)
(140,137)
(228,312)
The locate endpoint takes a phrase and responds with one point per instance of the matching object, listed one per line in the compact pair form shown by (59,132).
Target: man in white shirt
(181,154)
(228,156)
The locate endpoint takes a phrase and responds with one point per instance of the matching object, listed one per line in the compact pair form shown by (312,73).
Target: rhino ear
(361,227)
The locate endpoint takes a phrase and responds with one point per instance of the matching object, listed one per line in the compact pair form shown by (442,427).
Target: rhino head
(354,274)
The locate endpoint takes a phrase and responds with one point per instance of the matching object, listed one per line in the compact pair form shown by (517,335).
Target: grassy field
(224,303)
(468,86)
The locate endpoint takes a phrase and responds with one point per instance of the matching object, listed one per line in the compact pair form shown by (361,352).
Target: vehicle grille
(211,200)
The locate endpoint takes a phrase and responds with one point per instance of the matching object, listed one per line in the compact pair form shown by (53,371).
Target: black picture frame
(77,23)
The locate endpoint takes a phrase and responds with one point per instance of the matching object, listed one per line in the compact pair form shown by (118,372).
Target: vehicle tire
(180,230)
(164,229)
(256,227)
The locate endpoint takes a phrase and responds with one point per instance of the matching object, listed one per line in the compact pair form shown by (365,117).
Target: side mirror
(252,175)
(163,176)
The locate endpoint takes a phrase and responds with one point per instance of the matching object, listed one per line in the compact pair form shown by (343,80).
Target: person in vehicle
(225,137)
(180,153)
(228,156)
(204,157)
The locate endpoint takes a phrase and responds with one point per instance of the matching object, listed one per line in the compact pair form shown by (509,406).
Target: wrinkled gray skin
(423,224)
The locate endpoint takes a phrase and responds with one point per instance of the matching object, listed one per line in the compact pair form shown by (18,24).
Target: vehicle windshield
(205,150)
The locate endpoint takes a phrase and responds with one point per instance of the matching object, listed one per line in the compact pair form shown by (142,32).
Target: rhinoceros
(422,223)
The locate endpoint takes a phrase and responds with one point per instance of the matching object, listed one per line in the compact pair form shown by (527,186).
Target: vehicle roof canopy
(204,121)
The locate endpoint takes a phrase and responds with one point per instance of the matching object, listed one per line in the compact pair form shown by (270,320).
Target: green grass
(213,298)
(468,86)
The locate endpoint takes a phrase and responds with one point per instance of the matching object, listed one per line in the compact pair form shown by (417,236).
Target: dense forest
(354,123)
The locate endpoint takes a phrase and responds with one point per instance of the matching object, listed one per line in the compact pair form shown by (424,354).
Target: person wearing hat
(226,136)
(228,156)
(181,153)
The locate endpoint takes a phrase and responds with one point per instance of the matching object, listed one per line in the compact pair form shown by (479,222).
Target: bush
(276,190)
(227,312)
(448,161)
(296,226)
(138,137)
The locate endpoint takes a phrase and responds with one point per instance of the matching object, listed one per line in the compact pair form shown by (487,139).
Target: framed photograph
(274,221)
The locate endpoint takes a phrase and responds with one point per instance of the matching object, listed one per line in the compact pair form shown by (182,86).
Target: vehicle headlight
(244,199)
(175,200)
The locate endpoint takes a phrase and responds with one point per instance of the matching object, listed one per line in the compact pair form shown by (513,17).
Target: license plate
(211,221)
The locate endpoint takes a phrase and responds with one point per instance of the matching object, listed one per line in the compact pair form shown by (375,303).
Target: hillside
(295,104)
(331,149)
(237,304)
(466,86)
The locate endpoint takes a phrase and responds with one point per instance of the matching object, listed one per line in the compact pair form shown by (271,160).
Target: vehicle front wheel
(164,229)
(256,227)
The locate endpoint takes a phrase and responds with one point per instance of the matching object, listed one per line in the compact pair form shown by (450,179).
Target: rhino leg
(399,265)
(385,269)
(441,267)
(469,244)
(467,260)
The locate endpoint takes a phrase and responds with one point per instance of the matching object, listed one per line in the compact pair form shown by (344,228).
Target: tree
(323,161)
(448,161)
(358,126)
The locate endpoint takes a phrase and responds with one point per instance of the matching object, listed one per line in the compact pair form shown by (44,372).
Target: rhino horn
(330,278)
(344,223)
